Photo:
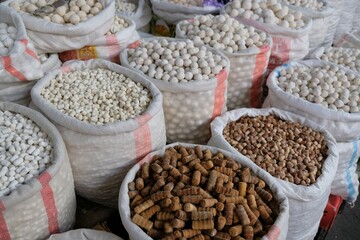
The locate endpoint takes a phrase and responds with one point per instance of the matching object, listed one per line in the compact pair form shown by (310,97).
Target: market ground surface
(346,226)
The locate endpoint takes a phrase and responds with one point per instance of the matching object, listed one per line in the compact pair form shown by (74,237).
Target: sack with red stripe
(278,231)
(107,47)
(247,73)
(85,234)
(22,64)
(306,203)
(288,44)
(50,37)
(189,107)
(100,156)
(19,92)
(321,20)
(46,204)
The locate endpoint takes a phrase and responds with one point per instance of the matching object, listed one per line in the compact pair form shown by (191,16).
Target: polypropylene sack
(45,204)
(346,182)
(22,64)
(189,107)
(172,13)
(333,21)
(288,44)
(356,19)
(84,234)
(320,23)
(107,47)
(279,230)
(100,156)
(319,53)
(346,18)
(19,92)
(345,127)
(246,75)
(142,16)
(349,40)
(50,37)
(306,203)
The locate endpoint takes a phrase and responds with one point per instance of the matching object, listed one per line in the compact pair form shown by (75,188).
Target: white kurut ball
(328,85)
(166,57)
(222,32)
(267,11)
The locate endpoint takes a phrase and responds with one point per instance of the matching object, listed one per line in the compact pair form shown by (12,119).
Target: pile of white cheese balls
(222,32)
(197,3)
(118,25)
(176,61)
(328,85)
(97,96)
(266,11)
(310,4)
(125,6)
(73,12)
(25,151)
(7,38)
(347,57)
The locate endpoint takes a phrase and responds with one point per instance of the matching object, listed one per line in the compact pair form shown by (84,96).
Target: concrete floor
(347,224)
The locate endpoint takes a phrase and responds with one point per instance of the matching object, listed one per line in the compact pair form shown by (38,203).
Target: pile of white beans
(73,12)
(267,11)
(347,57)
(222,32)
(125,6)
(118,25)
(175,61)
(310,4)
(25,151)
(328,85)
(197,3)
(97,96)
(7,38)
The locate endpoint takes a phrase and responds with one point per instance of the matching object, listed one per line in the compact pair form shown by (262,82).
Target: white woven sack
(188,107)
(346,18)
(19,92)
(278,231)
(288,44)
(142,16)
(343,126)
(52,62)
(46,204)
(247,73)
(22,64)
(306,203)
(356,19)
(333,22)
(84,234)
(320,23)
(349,40)
(101,155)
(107,47)
(49,37)
(172,13)
(346,182)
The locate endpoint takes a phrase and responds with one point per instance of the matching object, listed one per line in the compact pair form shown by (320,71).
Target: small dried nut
(252,136)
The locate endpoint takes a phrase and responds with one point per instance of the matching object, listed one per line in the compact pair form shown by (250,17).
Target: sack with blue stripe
(344,126)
